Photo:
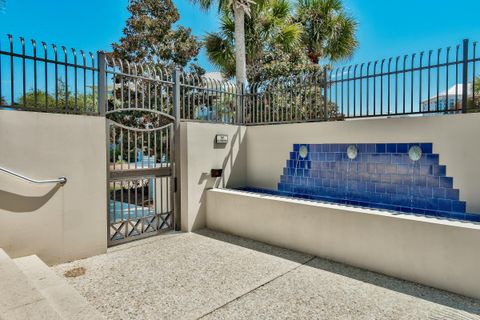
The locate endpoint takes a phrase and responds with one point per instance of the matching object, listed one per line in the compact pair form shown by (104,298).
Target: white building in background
(217,76)
(450,101)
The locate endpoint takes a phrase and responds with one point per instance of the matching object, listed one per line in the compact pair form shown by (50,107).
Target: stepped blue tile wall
(382,176)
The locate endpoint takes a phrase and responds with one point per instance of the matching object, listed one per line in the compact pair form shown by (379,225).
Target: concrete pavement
(209,275)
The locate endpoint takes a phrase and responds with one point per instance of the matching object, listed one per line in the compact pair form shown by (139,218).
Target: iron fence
(207,99)
(53,79)
(62,80)
(288,99)
(47,78)
(438,81)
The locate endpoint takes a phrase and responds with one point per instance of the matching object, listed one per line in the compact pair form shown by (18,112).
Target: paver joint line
(26,304)
(256,288)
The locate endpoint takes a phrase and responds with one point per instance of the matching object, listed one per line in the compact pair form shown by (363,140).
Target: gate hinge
(175,184)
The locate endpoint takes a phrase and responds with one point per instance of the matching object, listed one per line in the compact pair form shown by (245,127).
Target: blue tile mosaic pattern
(381,176)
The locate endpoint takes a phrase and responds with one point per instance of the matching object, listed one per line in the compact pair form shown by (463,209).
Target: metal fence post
(240,103)
(102,83)
(176,169)
(176,96)
(325,98)
(465,76)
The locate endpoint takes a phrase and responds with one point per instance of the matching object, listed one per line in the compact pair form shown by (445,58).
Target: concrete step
(19,298)
(64,299)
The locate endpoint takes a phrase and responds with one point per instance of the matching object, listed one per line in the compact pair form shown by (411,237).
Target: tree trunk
(240,58)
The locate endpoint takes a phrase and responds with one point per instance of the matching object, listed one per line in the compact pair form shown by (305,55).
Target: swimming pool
(462,216)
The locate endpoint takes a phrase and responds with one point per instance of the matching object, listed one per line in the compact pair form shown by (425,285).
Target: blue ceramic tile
(426,169)
(439,193)
(420,181)
(391,148)
(444,205)
(440,170)
(452,194)
(402,147)
(397,158)
(426,147)
(432,181)
(446,182)
(433,158)
(458,206)
(404,190)
(381,148)
(371,148)
(404,169)
(362,148)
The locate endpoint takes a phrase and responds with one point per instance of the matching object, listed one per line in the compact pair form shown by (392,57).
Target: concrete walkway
(208,275)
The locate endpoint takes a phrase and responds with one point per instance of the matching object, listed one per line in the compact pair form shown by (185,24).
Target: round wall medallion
(415,153)
(352,152)
(303,151)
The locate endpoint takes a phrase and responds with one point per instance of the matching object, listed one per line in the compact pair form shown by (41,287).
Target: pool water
(462,216)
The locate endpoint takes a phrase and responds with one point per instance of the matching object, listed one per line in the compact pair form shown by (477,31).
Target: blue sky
(386,28)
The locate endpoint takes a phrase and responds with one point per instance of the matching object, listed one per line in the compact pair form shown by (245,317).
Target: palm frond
(328,32)
(220,52)
(281,9)
(342,42)
(289,36)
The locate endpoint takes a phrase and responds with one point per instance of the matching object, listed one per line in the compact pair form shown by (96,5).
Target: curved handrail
(61,180)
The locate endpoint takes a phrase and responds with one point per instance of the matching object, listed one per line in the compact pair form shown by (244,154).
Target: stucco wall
(56,223)
(454,137)
(198,155)
(442,254)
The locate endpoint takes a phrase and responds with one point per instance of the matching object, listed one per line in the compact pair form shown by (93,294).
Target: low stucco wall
(454,138)
(198,155)
(56,223)
(437,253)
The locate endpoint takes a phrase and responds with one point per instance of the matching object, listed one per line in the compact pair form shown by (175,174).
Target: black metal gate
(141,123)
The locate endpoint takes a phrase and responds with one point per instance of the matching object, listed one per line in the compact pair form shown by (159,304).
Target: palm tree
(328,32)
(240,8)
(270,33)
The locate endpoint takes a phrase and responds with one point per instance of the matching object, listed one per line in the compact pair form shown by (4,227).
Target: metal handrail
(61,180)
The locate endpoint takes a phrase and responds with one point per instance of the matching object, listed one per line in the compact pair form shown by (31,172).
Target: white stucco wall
(454,137)
(56,223)
(198,155)
(438,253)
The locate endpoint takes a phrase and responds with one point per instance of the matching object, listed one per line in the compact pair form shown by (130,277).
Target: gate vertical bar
(465,77)
(240,101)
(175,152)
(325,98)
(102,83)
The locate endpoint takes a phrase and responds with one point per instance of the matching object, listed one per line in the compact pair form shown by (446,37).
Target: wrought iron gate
(140,141)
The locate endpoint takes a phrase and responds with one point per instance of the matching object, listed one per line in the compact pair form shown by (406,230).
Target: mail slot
(216,173)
